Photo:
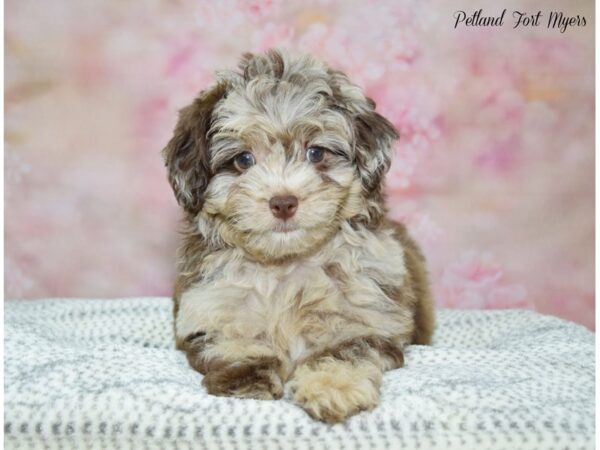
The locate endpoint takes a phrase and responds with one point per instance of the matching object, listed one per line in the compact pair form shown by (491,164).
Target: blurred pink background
(494,173)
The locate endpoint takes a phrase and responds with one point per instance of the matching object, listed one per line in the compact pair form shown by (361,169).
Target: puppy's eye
(244,161)
(315,154)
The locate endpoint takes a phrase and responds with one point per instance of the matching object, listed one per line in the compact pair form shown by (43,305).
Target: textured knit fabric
(105,374)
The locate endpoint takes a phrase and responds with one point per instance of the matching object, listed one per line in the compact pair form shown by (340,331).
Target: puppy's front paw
(247,379)
(332,391)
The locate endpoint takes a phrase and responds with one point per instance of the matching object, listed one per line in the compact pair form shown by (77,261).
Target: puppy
(289,271)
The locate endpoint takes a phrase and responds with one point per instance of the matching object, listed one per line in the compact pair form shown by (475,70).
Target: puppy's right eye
(244,161)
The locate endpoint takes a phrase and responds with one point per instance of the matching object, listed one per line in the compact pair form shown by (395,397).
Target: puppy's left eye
(315,154)
(244,161)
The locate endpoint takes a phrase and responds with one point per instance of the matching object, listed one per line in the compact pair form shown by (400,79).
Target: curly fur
(328,303)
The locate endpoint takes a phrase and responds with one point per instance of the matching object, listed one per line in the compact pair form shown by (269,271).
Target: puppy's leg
(242,368)
(340,381)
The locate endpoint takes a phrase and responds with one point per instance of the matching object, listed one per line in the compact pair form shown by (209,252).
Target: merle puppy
(289,271)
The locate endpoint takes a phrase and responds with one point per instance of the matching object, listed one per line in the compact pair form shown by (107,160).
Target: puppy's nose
(283,206)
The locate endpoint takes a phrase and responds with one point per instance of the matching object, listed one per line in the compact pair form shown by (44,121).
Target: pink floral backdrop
(494,173)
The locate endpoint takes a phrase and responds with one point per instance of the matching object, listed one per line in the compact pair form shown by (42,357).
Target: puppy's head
(274,157)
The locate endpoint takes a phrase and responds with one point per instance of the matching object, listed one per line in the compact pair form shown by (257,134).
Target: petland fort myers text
(520,19)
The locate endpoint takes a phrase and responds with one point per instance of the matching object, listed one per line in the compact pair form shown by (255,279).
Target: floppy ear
(373,133)
(374,136)
(186,155)
(373,139)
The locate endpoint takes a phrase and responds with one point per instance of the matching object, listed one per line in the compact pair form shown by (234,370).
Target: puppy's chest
(319,297)
(280,294)
(342,289)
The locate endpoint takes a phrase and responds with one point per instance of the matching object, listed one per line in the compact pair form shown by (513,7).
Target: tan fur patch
(332,390)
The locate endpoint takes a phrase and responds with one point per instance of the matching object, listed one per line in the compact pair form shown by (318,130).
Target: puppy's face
(282,164)
(274,158)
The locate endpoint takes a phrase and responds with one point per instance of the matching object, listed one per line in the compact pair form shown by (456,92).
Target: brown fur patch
(186,155)
(254,65)
(336,273)
(193,346)
(191,337)
(360,348)
(418,282)
(190,255)
(374,133)
(256,378)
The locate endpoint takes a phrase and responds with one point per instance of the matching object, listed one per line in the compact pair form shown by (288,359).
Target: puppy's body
(325,298)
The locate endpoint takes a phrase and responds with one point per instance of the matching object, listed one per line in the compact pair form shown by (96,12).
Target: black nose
(283,206)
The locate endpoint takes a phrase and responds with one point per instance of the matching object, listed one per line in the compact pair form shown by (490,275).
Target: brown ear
(374,134)
(187,155)
(374,138)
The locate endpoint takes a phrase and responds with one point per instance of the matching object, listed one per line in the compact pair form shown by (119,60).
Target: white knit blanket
(105,374)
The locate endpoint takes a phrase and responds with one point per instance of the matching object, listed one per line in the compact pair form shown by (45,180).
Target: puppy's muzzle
(283,206)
